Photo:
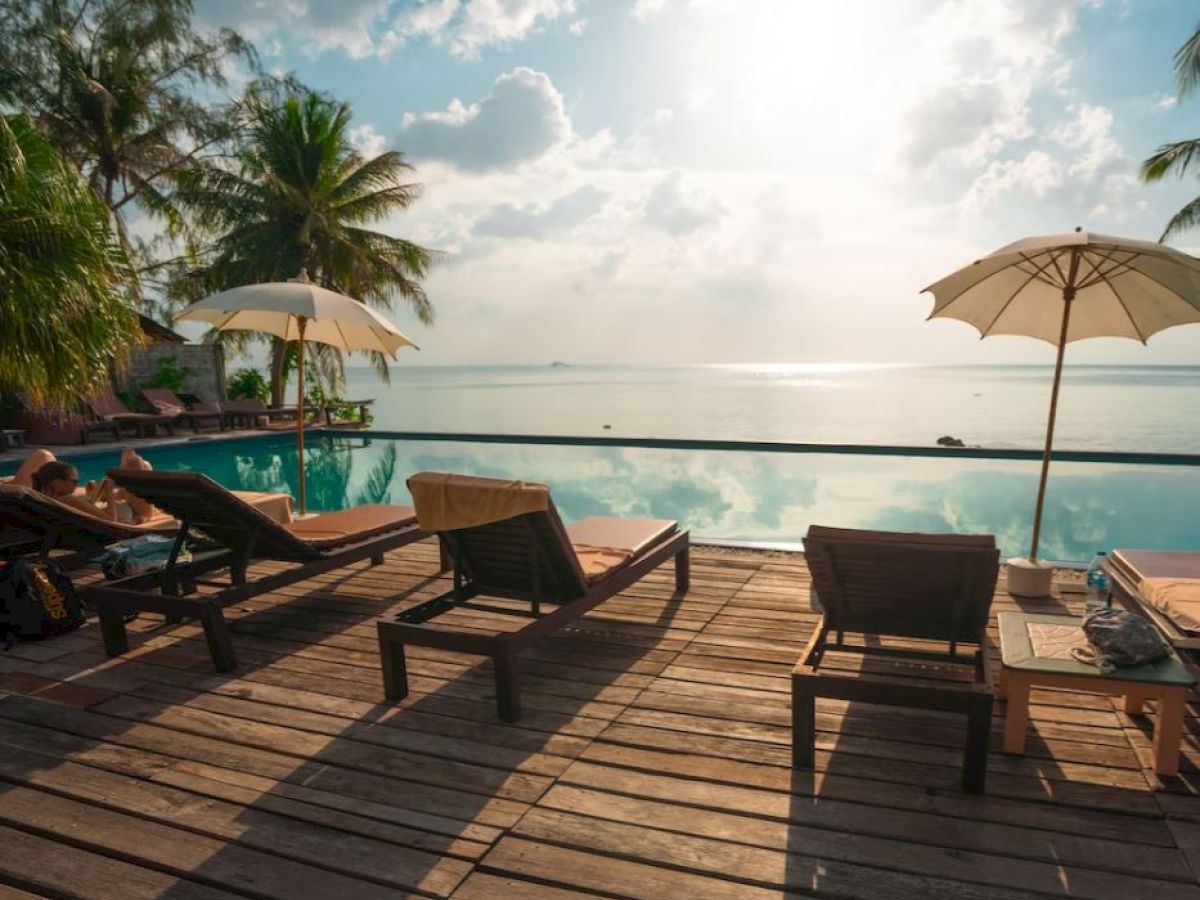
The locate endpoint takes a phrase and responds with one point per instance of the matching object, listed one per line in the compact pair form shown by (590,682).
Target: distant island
(559,364)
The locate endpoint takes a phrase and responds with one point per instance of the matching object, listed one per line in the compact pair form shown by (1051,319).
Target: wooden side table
(1026,666)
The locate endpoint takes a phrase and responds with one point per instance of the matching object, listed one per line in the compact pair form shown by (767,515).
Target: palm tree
(65,320)
(113,85)
(1178,157)
(299,196)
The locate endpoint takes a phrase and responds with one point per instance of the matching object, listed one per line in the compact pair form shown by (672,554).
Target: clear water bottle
(1097,585)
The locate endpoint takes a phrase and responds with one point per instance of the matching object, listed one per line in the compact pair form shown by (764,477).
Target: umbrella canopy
(298,310)
(277,307)
(1065,287)
(1121,288)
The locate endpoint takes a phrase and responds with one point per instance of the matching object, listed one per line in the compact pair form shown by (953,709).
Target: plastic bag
(147,553)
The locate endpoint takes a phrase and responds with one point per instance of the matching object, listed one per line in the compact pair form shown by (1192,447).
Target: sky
(730,181)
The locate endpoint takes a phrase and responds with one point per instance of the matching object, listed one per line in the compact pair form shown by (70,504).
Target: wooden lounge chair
(241,535)
(917,588)
(31,522)
(1163,586)
(248,412)
(506,540)
(108,408)
(166,402)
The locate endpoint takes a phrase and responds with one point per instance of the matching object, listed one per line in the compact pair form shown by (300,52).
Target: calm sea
(1146,408)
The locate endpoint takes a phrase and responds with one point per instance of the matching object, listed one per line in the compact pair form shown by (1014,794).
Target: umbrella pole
(301,321)
(1068,297)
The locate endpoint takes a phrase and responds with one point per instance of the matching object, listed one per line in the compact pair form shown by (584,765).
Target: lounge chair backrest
(26,514)
(932,586)
(211,509)
(520,555)
(246,405)
(164,401)
(106,404)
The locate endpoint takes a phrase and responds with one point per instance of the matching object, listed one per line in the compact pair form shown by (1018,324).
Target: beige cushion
(1178,598)
(447,502)
(332,529)
(605,544)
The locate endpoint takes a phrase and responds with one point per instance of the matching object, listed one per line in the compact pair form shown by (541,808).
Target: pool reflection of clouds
(749,496)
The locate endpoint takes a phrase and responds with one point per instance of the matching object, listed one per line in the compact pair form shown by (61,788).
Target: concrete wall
(205,364)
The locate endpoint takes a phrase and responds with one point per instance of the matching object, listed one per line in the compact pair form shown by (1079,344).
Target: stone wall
(205,365)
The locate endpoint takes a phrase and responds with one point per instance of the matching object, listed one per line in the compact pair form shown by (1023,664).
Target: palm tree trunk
(278,381)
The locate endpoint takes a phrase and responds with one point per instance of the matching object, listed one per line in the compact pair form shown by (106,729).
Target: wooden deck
(652,762)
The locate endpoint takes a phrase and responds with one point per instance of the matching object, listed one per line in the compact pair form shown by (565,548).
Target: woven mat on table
(1055,641)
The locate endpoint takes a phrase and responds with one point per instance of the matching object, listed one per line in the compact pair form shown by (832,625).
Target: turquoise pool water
(744,496)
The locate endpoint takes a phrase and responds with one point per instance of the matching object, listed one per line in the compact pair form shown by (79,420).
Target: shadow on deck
(652,761)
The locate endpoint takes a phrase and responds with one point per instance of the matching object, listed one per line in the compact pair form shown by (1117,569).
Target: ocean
(1129,408)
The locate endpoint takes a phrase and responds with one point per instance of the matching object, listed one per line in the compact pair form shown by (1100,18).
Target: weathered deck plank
(653,761)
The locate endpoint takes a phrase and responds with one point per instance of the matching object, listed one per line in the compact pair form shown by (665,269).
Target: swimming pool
(734,495)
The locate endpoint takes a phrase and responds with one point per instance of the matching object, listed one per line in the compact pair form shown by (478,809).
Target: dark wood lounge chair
(914,589)
(247,412)
(241,535)
(108,408)
(31,522)
(1163,586)
(203,412)
(516,547)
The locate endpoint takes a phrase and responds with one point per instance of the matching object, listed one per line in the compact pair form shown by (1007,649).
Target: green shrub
(168,373)
(248,384)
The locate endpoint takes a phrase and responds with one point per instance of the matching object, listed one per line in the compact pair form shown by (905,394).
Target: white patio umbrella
(299,310)
(1066,287)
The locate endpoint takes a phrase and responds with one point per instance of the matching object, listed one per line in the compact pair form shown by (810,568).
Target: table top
(1017,652)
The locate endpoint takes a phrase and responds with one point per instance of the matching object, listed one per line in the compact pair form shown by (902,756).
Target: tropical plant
(1178,157)
(65,322)
(298,195)
(248,384)
(169,373)
(117,86)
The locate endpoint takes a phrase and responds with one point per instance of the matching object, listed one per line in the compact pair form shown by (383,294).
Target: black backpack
(37,600)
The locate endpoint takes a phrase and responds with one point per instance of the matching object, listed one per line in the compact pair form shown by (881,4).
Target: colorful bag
(1117,638)
(37,600)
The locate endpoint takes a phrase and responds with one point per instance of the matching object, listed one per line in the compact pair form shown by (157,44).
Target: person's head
(58,479)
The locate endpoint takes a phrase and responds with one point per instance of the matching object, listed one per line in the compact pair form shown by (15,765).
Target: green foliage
(1177,157)
(66,324)
(248,384)
(298,195)
(169,373)
(117,86)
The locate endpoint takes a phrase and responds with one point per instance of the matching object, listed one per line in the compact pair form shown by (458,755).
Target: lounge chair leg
(979,727)
(804,724)
(444,561)
(216,633)
(683,569)
(508,684)
(377,559)
(112,629)
(391,660)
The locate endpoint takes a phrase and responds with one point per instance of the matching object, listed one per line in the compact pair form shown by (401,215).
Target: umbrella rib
(1096,264)
(1007,303)
(1032,275)
(1124,308)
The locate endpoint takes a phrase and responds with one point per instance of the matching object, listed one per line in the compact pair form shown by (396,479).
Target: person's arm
(108,511)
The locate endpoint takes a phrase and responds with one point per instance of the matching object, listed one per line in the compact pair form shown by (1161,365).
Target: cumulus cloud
(1081,165)
(315,24)
(366,27)
(971,118)
(467,27)
(519,120)
(534,221)
(679,211)
(367,141)
(648,9)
